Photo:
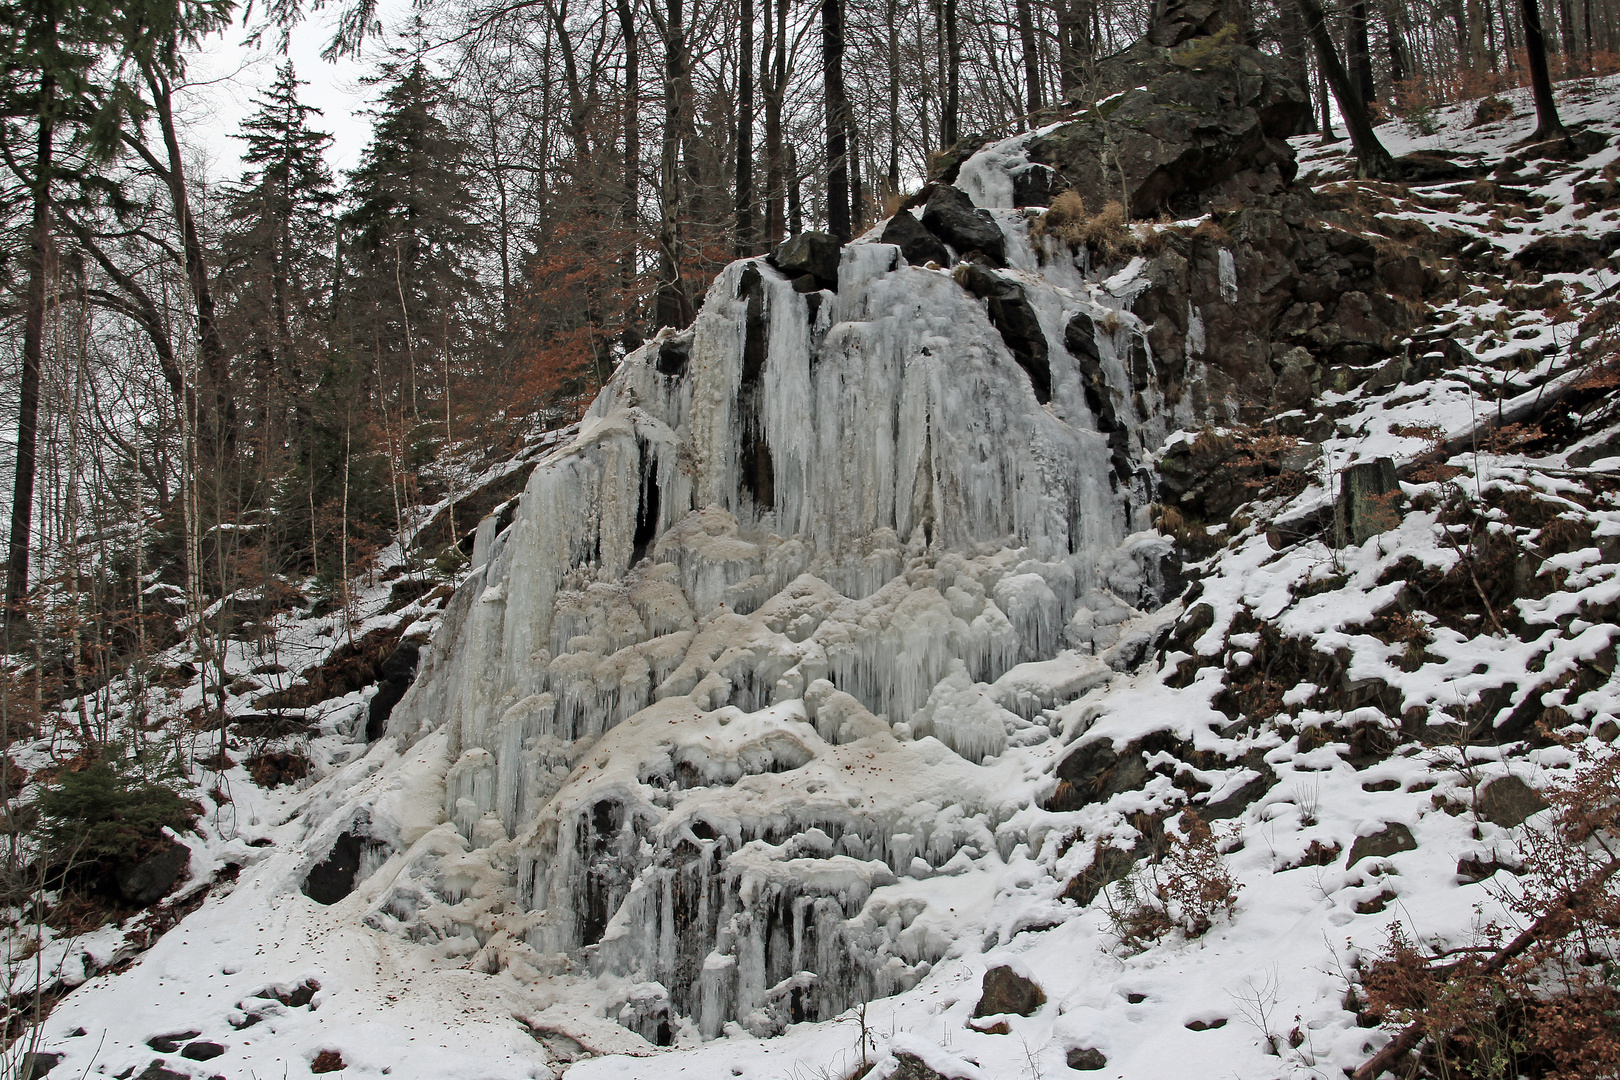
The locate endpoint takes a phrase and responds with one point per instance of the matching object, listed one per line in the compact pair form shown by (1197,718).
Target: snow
(703,759)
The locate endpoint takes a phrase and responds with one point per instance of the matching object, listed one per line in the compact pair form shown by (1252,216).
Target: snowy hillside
(863,636)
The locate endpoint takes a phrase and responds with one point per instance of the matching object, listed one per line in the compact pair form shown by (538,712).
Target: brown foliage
(1188,888)
(1547,1002)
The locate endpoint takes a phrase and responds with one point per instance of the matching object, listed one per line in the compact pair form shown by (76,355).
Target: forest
(220,389)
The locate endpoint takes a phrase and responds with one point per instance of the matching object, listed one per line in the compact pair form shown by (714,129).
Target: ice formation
(750,650)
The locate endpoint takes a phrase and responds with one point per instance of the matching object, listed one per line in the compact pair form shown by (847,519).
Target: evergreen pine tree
(406,243)
(277,254)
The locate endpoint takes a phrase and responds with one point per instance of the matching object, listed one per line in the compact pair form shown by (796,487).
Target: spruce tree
(277,254)
(406,243)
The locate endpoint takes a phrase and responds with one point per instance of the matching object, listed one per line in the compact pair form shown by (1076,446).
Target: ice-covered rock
(731,674)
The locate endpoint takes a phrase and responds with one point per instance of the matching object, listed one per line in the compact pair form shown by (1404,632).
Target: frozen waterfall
(748,654)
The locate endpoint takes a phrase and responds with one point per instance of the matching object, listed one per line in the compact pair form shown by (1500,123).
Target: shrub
(1188,888)
(112,809)
(1543,999)
(1064,218)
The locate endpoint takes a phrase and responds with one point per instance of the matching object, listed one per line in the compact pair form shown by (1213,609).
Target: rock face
(951,216)
(812,253)
(1209,123)
(916,243)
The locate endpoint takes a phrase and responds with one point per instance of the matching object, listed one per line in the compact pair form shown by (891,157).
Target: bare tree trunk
(1032,56)
(1359,48)
(39,242)
(1372,160)
(673,306)
(775,177)
(1397,54)
(893,25)
(857,196)
(1548,126)
(837,105)
(745,135)
(949,133)
(1478,17)
(219,428)
(1068,31)
(1291,33)
(795,211)
(632,153)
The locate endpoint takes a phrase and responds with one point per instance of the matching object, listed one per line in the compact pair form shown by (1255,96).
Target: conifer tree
(277,253)
(406,242)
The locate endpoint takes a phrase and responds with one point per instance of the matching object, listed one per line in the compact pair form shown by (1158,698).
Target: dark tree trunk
(1032,56)
(1294,46)
(1397,52)
(1359,46)
(39,243)
(1327,108)
(632,152)
(795,210)
(832,74)
(949,132)
(1372,160)
(1073,19)
(894,96)
(857,196)
(219,423)
(745,135)
(672,306)
(775,179)
(1548,126)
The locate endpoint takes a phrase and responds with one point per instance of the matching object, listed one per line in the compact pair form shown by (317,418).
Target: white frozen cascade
(763,644)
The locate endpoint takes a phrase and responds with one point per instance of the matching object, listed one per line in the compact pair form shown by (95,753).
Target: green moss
(1219,50)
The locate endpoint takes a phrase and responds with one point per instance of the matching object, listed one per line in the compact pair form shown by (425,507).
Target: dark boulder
(151,879)
(159,1071)
(917,244)
(1035,185)
(35,1065)
(1086,1059)
(1433,167)
(202,1050)
(1567,254)
(1507,801)
(813,253)
(911,1067)
(1013,316)
(951,216)
(1368,504)
(396,676)
(331,879)
(1393,837)
(1006,991)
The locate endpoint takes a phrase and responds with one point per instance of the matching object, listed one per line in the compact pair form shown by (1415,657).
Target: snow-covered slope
(764,704)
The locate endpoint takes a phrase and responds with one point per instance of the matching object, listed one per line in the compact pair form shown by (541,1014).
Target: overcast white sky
(227,75)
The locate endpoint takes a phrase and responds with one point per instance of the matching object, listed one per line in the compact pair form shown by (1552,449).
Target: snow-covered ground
(913,795)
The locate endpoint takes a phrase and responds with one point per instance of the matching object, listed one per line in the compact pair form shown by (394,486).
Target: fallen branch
(1414,1032)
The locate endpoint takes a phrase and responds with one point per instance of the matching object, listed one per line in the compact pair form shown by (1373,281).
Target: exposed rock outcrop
(1179,127)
